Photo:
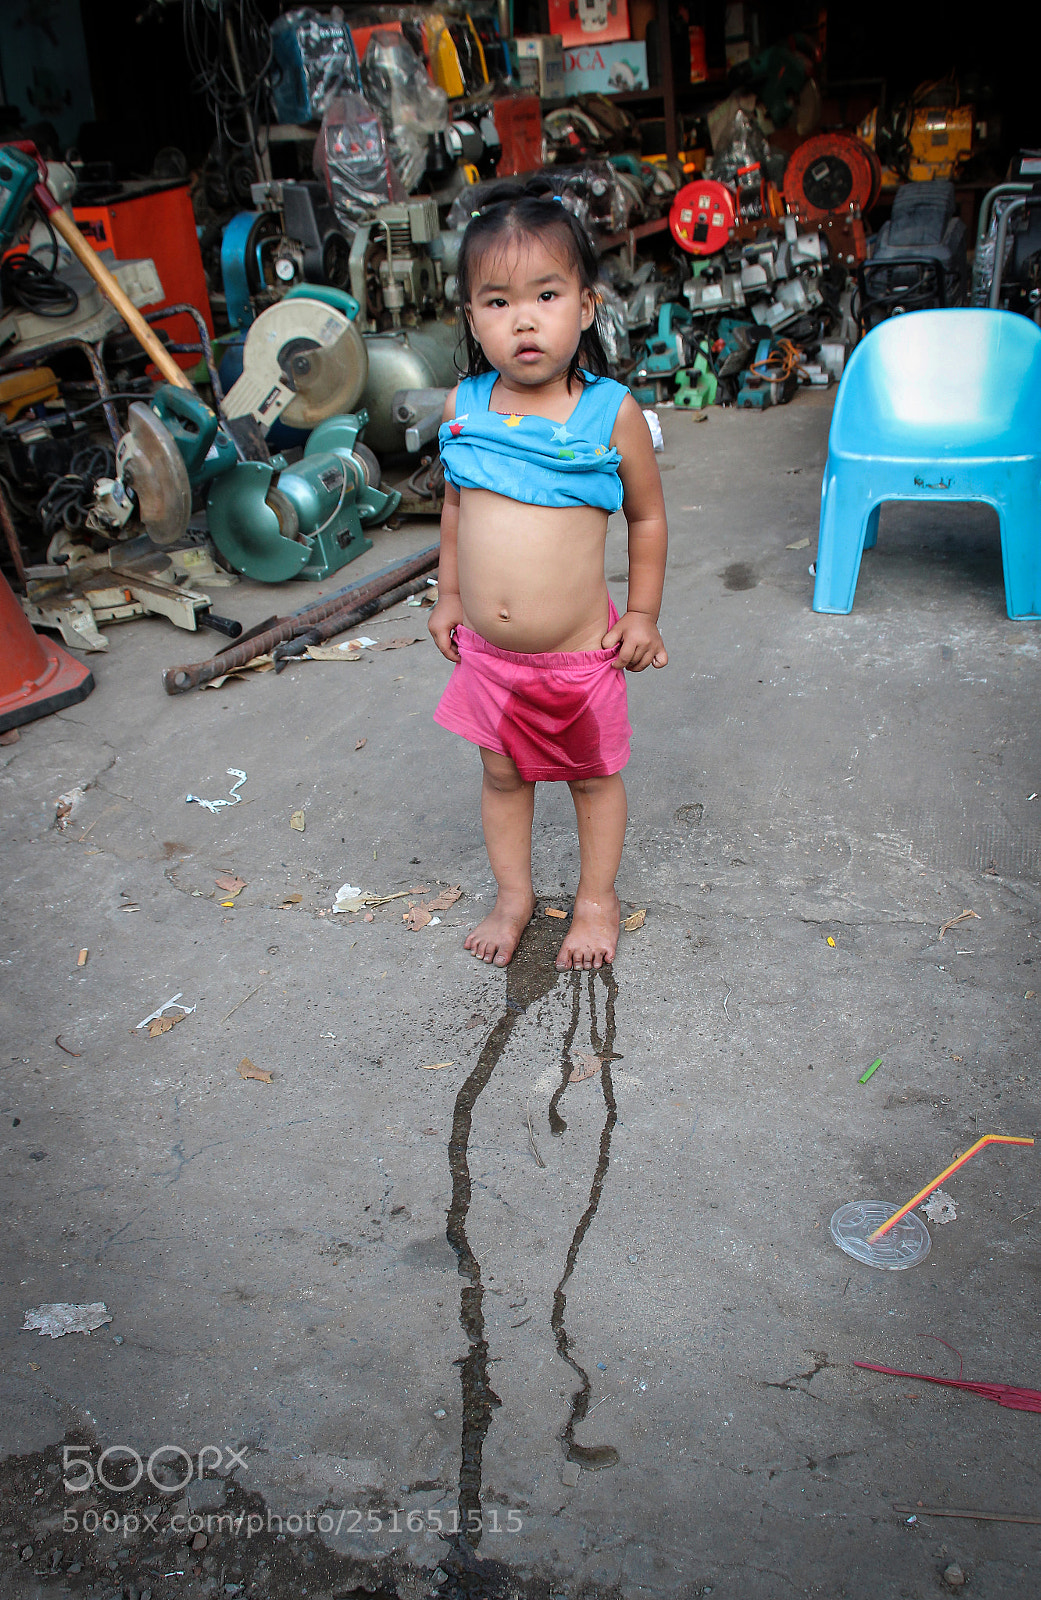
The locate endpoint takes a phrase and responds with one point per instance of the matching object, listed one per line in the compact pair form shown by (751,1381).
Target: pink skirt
(558,715)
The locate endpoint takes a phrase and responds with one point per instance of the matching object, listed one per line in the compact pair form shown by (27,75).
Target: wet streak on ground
(588,1456)
(530,976)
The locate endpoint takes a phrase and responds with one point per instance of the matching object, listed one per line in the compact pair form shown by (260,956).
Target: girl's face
(528,310)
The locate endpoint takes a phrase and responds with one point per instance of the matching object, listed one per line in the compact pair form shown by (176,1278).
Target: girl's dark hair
(531,211)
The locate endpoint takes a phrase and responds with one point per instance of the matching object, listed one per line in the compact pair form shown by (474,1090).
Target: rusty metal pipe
(177,680)
(341,621)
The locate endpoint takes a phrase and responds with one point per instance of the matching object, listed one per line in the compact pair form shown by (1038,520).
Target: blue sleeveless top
(534,459)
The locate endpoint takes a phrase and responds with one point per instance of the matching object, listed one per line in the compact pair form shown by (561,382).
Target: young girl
(539,446)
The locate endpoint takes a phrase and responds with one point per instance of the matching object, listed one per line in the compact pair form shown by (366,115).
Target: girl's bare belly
(531,578)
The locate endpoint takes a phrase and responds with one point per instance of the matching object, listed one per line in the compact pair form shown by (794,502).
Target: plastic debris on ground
(67,806)
(60,1318)
(214,806)
(654,424)
(940,1208)
(157,1022)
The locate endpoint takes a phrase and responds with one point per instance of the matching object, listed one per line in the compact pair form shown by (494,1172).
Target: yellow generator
(916,143)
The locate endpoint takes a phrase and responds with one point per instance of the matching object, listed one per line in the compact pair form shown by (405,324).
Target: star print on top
(543,462)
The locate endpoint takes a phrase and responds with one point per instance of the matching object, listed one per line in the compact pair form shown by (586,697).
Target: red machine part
(36,676)
(831,173)
(702,216)
(156,221)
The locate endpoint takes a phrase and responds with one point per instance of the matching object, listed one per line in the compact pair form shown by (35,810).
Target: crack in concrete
(795,1382)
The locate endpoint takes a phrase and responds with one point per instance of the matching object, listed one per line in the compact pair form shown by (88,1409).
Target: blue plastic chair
(936,405)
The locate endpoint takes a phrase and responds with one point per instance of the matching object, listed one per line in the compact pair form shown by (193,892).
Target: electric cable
(70,496)
(26,282)
(784,359)
(229,48)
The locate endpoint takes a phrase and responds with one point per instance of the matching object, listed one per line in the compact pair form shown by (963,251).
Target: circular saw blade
(328,380)
(317,349)
(149,462)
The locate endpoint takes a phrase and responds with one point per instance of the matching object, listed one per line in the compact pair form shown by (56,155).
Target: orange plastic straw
(988,1138)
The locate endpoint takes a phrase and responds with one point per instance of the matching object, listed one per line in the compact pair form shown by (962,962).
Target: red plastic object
(36,676)
(159,223)
(702,216)
(518,122)
(831,173)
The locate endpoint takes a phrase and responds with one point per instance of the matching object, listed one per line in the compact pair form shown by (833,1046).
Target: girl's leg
(600,807)
(507,806)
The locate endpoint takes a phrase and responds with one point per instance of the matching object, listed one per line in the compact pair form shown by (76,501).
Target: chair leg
(839,548)
(871,528)
(1021,556)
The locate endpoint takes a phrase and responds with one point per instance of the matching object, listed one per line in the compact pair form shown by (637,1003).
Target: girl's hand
(445,617)
(641,645)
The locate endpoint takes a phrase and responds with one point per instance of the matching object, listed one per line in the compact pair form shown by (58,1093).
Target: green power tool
(270,520)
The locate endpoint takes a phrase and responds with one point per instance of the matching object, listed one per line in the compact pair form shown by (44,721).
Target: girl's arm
(644,508)
(448,612)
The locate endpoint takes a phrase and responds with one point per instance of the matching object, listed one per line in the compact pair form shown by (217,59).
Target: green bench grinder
(270,520)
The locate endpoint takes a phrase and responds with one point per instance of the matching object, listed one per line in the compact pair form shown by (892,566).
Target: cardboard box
(540,63)
(589,21)
(605,68)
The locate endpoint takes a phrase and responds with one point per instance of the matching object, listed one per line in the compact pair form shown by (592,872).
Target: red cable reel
(831,173)
(702,216)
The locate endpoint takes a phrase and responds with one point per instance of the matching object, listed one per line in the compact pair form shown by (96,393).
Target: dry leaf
(800,544)
(416,917)
(963,916)
(1031,994)
(332,652)
(551,911)
(230,884)
(81,959)
(291,900)
(635,921)
(435,1066)
(361,744)
(584,1066)
(442,901)
(298,821)
(160,1025)
(394,644)
(246,1069)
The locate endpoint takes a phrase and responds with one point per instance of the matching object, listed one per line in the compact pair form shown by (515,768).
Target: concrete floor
(811,798)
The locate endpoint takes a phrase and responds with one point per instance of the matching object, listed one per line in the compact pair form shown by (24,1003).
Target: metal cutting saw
(303,361)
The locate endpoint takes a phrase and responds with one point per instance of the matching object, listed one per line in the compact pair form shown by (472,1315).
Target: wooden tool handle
(110,288)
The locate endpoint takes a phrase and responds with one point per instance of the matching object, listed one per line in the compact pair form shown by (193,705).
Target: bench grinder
(270,520)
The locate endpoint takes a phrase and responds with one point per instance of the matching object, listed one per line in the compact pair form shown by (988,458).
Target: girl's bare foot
(593,935)
(497,937)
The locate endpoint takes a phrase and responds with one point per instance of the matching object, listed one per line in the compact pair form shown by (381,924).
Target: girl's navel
(504,614)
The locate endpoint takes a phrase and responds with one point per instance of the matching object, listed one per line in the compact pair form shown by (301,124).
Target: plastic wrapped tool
(351,156)
(743,148)
(983,261)
(410,106)
(613,322)
(314,59)
(592,192)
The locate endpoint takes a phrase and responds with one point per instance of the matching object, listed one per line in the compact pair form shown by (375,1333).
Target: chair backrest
(942,383)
